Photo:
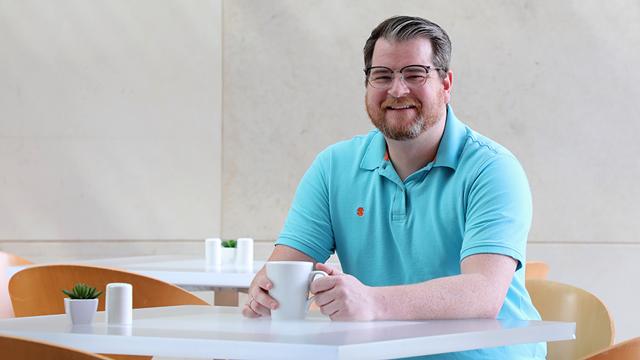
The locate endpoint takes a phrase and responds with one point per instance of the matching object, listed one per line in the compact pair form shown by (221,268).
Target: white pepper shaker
(119,304)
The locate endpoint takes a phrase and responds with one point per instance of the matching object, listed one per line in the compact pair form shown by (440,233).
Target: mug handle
(312,276)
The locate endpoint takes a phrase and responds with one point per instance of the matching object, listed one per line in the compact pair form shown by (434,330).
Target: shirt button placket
(399,212)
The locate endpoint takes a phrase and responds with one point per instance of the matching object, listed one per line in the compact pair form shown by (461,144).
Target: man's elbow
(493,308)
(492,312)
(489,305)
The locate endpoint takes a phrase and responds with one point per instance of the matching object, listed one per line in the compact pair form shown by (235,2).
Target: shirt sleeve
(308,225)
(498,216)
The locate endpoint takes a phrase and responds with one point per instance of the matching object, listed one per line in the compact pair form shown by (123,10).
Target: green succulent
(229,243)
(82,291)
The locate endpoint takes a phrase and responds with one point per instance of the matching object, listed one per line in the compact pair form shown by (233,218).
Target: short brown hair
(400,28)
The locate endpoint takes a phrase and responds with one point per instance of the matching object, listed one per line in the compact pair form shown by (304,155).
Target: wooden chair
(562,302)
(536,270)
(37,290)
(26,349)
(7,260)
(626,350)
(12,260)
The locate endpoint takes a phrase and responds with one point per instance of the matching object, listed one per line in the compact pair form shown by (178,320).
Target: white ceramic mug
(291,280)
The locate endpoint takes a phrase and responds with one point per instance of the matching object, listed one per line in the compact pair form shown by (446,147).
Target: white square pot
(81,311)
(228,256)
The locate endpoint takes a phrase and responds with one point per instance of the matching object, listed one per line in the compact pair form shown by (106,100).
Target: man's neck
(408,156)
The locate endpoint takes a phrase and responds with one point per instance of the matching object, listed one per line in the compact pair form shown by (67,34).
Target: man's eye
(381,77)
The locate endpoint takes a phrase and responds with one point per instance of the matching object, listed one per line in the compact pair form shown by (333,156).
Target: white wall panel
(110,118)
(556,82)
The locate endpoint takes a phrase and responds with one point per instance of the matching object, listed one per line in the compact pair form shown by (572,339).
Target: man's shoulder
(479,147)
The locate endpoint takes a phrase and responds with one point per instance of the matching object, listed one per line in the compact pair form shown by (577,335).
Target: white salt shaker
(119,304)
(213,253)
(244,254)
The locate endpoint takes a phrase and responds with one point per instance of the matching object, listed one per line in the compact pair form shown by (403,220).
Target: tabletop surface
(186,271)
(221,332)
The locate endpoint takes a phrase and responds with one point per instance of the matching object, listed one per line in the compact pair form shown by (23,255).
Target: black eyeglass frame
(427,68)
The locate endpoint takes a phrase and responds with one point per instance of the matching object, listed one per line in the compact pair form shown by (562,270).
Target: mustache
(402,101)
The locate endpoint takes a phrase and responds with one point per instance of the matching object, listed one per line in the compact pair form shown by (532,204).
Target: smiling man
(428,218)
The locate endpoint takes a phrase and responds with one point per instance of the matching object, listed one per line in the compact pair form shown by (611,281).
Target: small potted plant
(228,252)
(82,303)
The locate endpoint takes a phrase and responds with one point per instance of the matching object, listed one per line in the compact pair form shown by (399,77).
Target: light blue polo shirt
(473,198)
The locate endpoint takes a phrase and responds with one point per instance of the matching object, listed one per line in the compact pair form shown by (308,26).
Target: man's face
(402,112)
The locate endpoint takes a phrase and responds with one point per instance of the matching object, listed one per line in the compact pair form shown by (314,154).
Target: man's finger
(247,311)
(263,299)
(323,298)
(264,283)
(329,307)
(335,315)
(326,268)
(323,284)
(258,308)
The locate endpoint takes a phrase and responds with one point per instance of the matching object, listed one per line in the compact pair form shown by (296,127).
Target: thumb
(328,269)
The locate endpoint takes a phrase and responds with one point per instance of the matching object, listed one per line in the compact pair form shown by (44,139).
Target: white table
(187,272)
(221,332)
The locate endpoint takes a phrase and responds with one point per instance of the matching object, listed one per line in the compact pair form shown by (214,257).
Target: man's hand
(259,302)
(343,297)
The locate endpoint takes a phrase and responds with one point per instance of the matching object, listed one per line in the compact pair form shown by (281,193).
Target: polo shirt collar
(452,142)
(376,152)
(448,154)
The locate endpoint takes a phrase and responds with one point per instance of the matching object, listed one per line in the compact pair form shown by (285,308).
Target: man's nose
(398,87)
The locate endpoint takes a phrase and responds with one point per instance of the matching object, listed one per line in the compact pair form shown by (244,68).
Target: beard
(407,125)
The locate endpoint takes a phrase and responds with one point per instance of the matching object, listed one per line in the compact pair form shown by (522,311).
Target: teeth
(401,107)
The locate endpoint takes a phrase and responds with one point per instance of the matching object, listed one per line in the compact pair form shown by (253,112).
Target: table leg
(225,297)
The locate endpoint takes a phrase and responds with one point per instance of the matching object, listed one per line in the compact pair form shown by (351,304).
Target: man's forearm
(455,297)
(286,253)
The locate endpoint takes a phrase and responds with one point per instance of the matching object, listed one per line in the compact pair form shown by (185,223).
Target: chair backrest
(12,260)
(626,350)
(7,260)
(536,270)
(37,290)
(27,349)
(561,302)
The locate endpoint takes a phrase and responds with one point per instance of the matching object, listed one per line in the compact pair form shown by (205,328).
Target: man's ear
(447,83)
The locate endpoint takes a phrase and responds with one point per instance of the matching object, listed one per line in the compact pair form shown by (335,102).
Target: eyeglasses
(381,77)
